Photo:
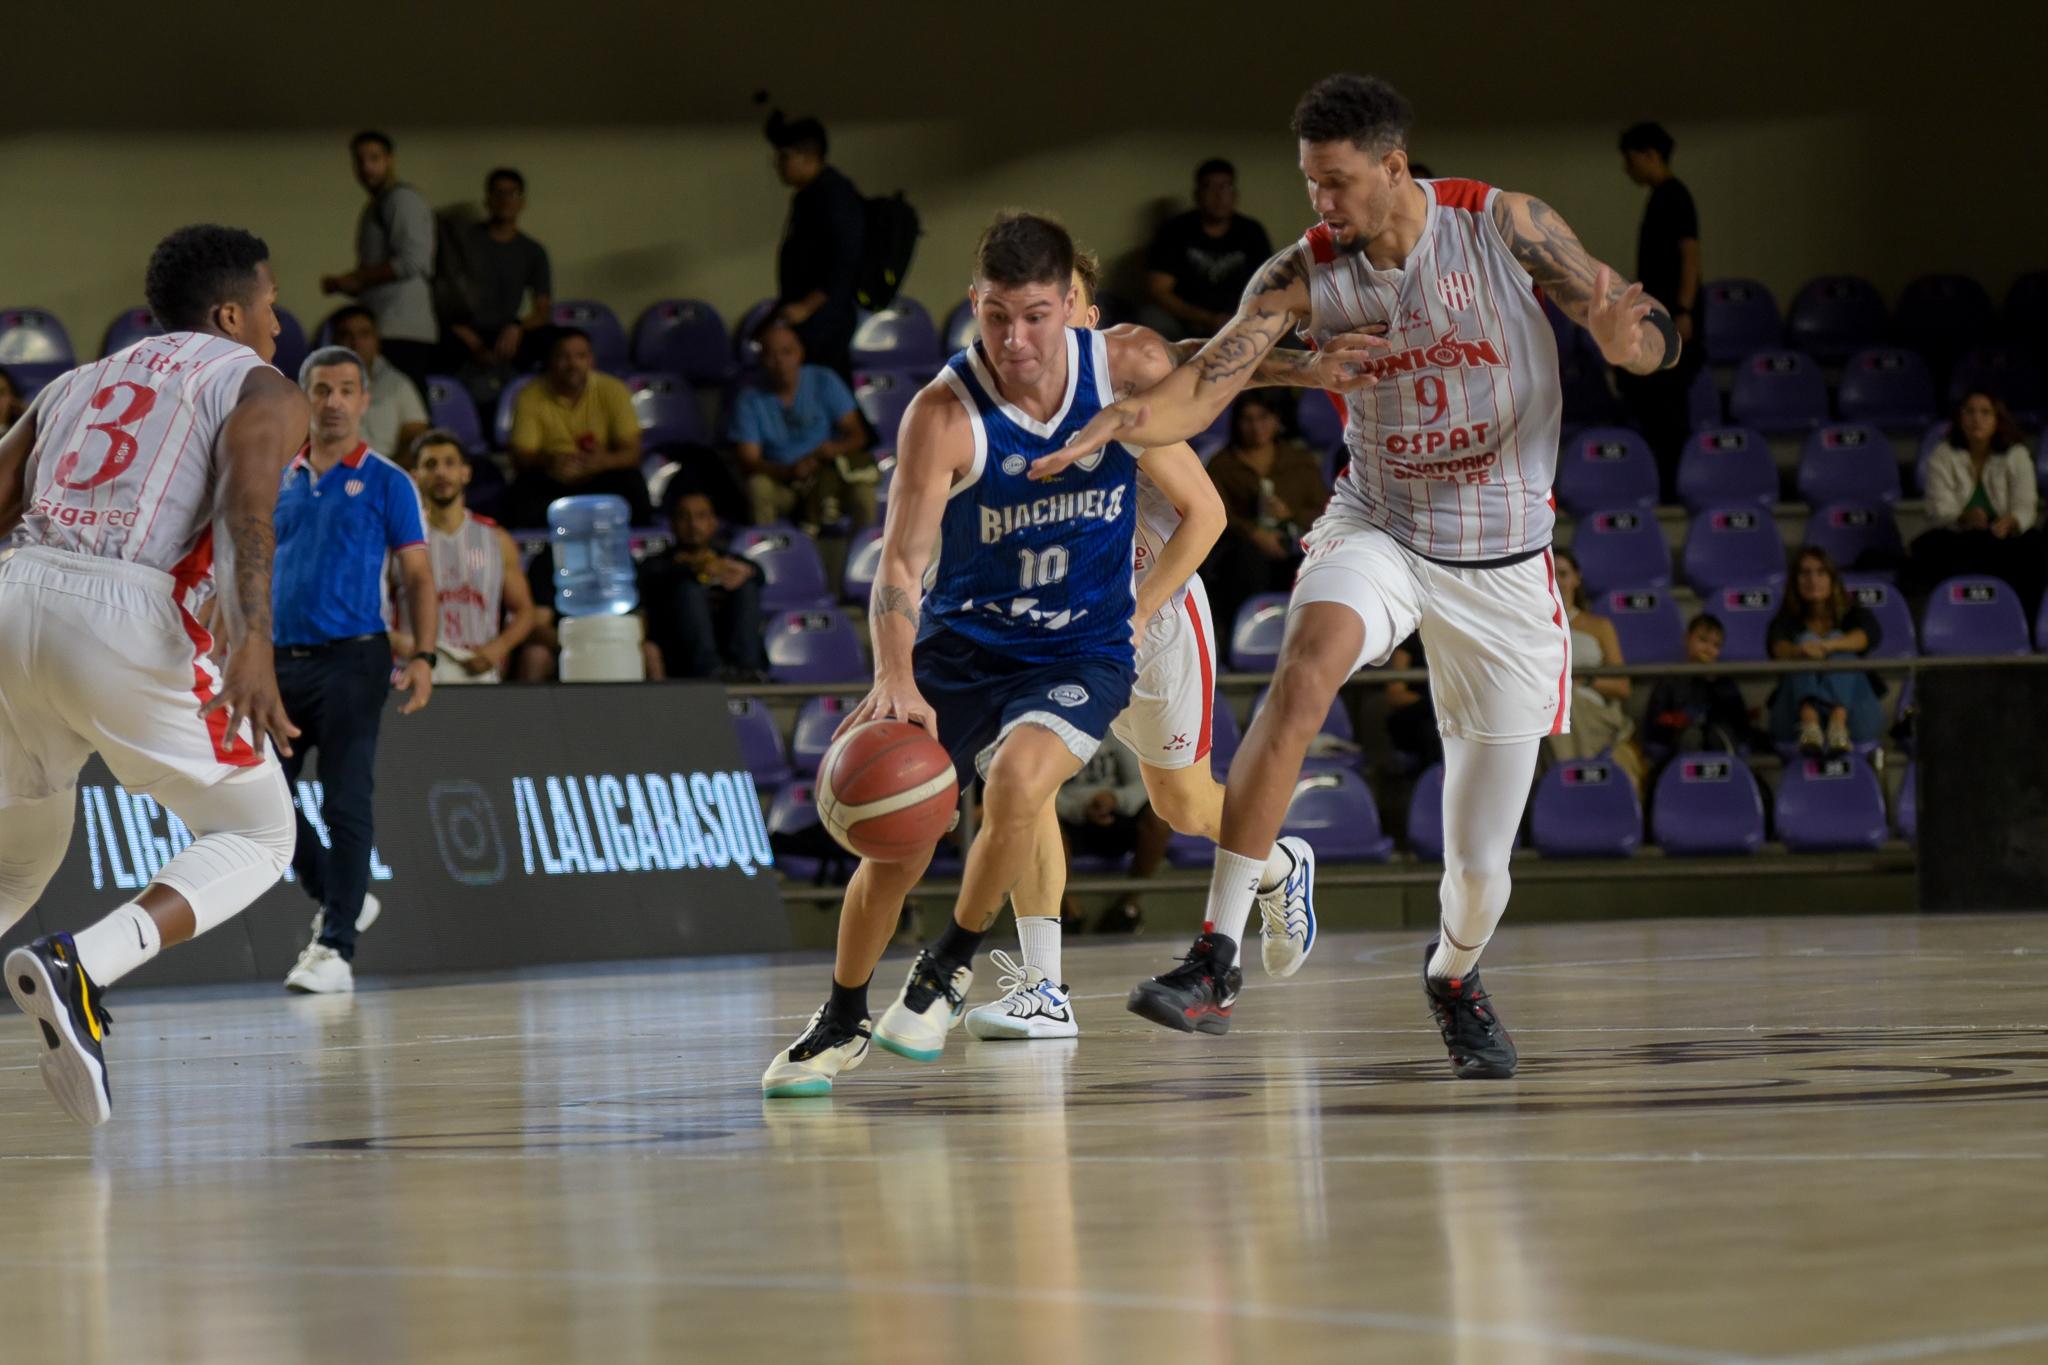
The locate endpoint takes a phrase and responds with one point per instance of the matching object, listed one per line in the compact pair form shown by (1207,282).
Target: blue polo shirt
(332,535)
(787,434)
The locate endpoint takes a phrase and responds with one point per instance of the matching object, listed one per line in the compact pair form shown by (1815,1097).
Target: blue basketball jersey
(1037,571)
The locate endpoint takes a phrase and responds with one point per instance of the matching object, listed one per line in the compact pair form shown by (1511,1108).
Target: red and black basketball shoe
(1478,1042)
(1198,995)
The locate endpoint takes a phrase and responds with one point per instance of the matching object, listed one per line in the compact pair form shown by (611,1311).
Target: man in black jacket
(818,267)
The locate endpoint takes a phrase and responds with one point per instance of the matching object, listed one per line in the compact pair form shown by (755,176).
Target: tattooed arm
(15,448)
(1588,292)
(1335,367)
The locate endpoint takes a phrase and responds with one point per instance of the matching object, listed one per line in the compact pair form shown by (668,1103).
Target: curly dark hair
(198,268)
(1362,110)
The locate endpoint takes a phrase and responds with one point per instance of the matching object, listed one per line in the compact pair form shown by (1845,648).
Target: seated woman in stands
(1600,719)
(1983,509)
(1823,712)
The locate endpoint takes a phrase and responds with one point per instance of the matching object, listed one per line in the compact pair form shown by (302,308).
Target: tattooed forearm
(890,600)
(255,542)
(1550,251)
(1277,370)
(1265,315)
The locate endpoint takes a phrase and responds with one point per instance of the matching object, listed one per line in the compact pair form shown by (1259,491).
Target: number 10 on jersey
(1040,568)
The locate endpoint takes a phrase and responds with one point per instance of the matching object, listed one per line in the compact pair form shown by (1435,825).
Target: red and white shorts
(1500,655)
(1168,723)
(97,655)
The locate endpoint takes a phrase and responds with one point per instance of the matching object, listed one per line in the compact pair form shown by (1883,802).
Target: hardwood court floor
(1823,1140)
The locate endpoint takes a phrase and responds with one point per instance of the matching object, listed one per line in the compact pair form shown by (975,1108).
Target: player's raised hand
(892,700)
(1616,322)
(1104,427)
(1346,363)
(248,692)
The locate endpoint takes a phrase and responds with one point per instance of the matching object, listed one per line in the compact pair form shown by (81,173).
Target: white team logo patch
(353,487)
(1069,694)
(1457,290)
(1013,465)
(1089,461)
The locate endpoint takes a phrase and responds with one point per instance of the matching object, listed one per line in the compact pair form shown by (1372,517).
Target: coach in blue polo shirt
(343,507)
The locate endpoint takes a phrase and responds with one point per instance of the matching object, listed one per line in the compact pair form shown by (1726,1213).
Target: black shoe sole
(1164,1012)
(1483,1071)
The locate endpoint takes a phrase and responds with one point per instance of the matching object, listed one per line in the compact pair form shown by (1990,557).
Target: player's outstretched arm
(1633,330)
(15,447)
(1341,366)
(1178,473)
(1187,400)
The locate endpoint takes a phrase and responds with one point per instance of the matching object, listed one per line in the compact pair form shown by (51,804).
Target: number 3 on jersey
(1041,568)
(121,446)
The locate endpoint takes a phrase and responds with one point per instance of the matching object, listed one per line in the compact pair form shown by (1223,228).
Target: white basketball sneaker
(1033,1006)
(1288,913)
(321,971)
(916,1025)
(367,916)
(825,1048)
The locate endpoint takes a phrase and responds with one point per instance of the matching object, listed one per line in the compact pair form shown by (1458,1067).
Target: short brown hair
(1088,273)
(1024,248)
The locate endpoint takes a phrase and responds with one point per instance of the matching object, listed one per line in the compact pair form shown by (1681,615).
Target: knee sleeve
(244,835)
(33,838)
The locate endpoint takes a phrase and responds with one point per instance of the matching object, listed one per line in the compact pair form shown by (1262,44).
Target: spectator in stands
(1983,508)
(1699,712)
(1200,261)
(703,602)
(397,413)
(802,445)
(1823,712)
(539,657)
(1104,813)
(1668,266)
(11,404)
(1411,716)
(507,290)
(1272,489)
(574,431)
(1600,719)
(817,269)
(394,259)
(486,605)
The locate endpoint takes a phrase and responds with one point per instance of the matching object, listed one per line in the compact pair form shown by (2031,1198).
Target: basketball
(886,790)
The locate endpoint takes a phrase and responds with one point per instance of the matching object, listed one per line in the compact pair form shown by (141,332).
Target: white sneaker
(916,1025)
(1032,1005)
(321,971)
(1288,913)
(365,917)
(820,1052)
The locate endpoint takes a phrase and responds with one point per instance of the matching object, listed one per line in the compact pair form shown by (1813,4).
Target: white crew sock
(1039,937)
(1279,867)
(1232,887)
(118,944)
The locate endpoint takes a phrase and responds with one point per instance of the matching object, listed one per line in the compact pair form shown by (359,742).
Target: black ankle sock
(957,947)
(849,1004)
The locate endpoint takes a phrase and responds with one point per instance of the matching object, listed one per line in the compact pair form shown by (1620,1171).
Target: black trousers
(336,694)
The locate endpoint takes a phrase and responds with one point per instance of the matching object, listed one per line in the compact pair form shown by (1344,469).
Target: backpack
(454,295)
(887,244)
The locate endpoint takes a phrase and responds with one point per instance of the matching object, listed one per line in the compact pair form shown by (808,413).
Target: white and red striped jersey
(1158,519)
(469,575)
(1454,445)
(125,464)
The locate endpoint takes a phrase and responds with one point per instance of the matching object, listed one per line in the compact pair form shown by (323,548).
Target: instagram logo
(466,832)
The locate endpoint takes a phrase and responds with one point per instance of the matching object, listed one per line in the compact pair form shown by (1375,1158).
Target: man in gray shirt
(394,270)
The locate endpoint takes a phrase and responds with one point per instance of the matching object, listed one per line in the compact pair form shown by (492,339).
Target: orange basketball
(887,791)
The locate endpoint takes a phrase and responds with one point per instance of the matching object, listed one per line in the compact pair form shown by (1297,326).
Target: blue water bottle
(590,535)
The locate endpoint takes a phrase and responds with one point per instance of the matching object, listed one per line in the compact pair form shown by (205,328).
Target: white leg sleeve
(33,837)
(243,837)
(1485,788)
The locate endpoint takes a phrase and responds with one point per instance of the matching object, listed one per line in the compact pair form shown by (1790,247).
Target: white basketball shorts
(1168,723)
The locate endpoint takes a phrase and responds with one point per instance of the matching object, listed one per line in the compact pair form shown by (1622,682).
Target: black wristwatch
(433,660)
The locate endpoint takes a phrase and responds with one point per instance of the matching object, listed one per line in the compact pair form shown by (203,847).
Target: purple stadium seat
(961,329)
(1909,804)
(1745,612)
(2041,626)
(1255,637)
(292,349)
(30,336)
(501,423)
(1582,374)
(1836,315)
(1322,425)
(685,337)
(1848,462)
(863,561)
(1968,615)
(1603,468)
(669,416)
(1224,736)
(793,576)
(1426,816)
(760,742)
(816,723)
(1703,402)
(1779,391)
(1336,726)
(745,352)
(1887,387)
(1894,616)
(2006,372)
(815,647)
(793,811)
(2024,319)
(127,329)
(1826,804)
(901,334)
(1943,315)
(1586,808)
(607,335)
(1335,812)
(1707,803)
(1725,467)
(884,396)
(1861,536)
(1733,545)
(1740,317)
(450,406)
(1646,623)
(30,378)
(1621,549)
